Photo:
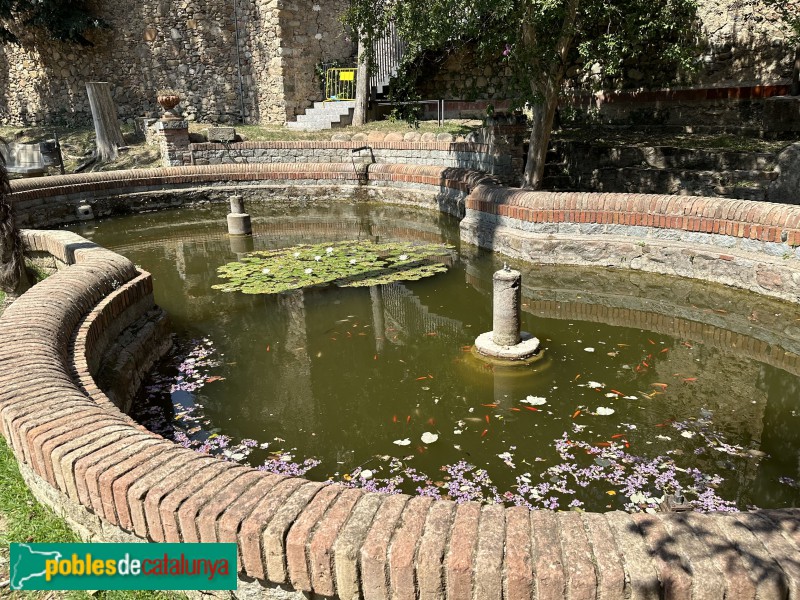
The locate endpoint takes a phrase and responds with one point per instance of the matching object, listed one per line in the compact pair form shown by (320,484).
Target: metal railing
(340,84)
(387,53)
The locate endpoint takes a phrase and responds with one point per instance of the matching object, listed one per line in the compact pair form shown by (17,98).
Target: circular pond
(653,391)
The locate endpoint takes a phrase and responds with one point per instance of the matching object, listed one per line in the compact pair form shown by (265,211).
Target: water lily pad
(343,264)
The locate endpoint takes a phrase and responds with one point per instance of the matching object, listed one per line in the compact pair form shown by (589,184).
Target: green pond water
(651,389)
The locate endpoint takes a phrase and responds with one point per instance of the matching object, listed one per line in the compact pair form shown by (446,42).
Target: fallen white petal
(405,442)
(429,438)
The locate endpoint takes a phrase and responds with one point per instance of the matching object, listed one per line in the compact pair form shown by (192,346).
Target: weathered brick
(460,561)
(642,575)
(161,510)
(375,550)
(579,567)
(707,579)
(673,570)
(348,545)
(299,537)
(610,572)
(188,513)
(489,553)
(402,551)
(518,562)
(429,564)
(274,536)
(224,499)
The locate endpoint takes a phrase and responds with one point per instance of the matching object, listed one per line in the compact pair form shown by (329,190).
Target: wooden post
(106,126)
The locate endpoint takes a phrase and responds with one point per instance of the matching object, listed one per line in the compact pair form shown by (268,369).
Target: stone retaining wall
(461,155)
(116,481)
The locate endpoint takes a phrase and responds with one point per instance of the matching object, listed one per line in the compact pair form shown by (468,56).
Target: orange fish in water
(645,364)
(690,379)
(408,419)
(430,376)
(394,419)
(267,347)
(617,435)
(375,357)
(531,408)
(665,350)
(578,376)
(603,444)
(485,431)
(432,333)
(576,413)
(618,393)
(663,386)
(487,418)
(489,405)
(651,341)
(431,421)
(466,348)
(420,378)
(627,445)
(516,410)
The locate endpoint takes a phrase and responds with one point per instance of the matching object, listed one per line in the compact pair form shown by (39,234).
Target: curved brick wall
(116,481)
(741,243)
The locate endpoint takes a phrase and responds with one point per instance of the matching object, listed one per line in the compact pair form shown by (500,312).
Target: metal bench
(31,160)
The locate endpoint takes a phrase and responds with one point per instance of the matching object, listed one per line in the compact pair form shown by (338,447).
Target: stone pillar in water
(239,221)
(506,307)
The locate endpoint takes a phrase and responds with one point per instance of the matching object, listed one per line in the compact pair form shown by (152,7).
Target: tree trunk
(106,126)
(541,128)
(362,86)
(795,91)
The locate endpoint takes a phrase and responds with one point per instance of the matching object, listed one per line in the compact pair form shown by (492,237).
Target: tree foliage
(539,40)
(64,20)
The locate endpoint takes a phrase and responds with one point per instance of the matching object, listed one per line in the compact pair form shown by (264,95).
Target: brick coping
(329,540)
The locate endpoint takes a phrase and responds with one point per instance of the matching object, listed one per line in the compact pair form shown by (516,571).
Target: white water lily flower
(588,349)
(328,249)
(404,257)
(429,438)
(534,400)
(595,385)
(317,257)
(405,442)
(366,474)
(352,261)
(265,271)
(309,271)
(604,411)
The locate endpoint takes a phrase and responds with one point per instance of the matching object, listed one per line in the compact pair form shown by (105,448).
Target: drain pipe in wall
(238,59)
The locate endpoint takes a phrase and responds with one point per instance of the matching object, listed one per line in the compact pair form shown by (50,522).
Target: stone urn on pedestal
(168,100)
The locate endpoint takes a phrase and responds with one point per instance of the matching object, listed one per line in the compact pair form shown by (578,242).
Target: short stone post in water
(238,220)
(506,344)
(506,307)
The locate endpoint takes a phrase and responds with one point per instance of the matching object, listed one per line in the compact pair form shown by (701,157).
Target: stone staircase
(387,55)
(325,115)
(574,165)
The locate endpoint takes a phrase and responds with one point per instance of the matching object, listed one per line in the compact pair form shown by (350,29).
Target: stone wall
(190,46)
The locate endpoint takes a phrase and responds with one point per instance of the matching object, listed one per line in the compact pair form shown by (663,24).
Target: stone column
(173,139)
(506,307)
(238,220)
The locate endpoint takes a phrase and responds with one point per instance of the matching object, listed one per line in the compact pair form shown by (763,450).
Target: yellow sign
(347,75)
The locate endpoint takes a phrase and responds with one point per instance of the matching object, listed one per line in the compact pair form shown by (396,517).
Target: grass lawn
(23,519)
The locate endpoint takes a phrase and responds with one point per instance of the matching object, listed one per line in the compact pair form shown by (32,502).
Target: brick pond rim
(115,481)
